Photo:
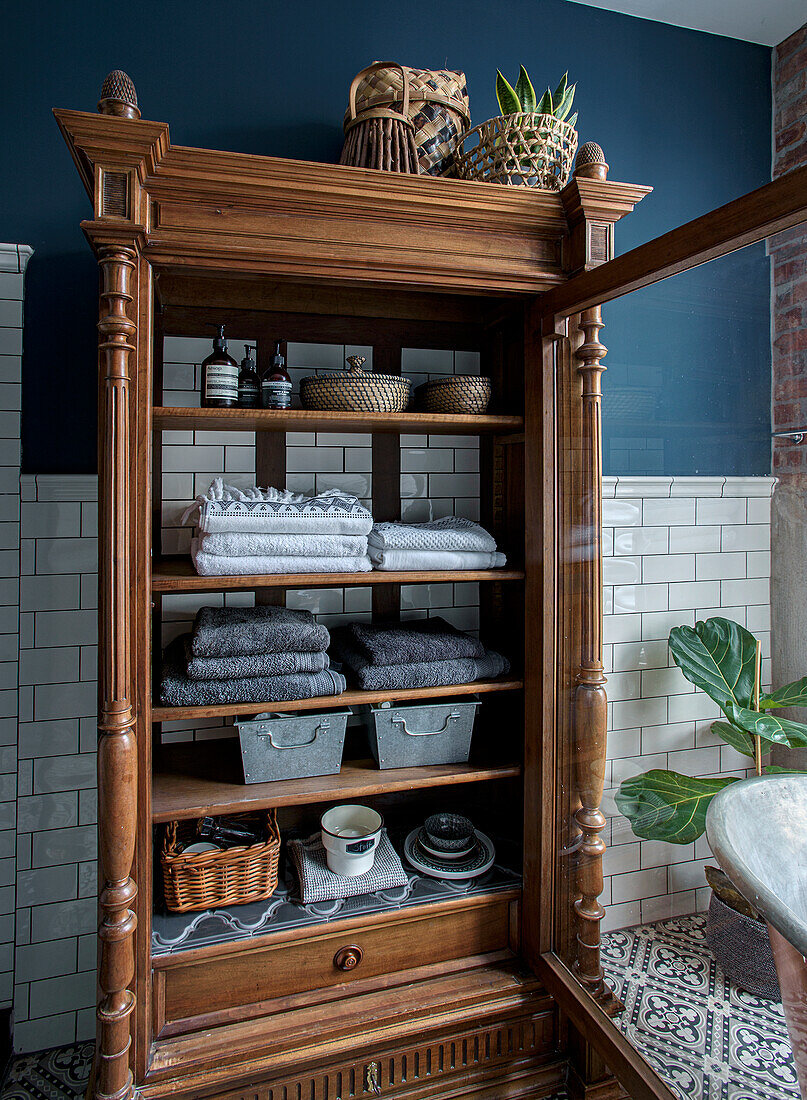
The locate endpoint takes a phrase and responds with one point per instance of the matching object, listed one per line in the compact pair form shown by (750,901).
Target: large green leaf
(791,695)
(667,805)
(525,91)
(509,103)
(563,107)
(718,656)
(560,91)
(775,769)
(573,120)
(738,739)
(545,106)
(767,726)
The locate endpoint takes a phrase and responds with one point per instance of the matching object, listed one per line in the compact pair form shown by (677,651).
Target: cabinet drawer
(204,988)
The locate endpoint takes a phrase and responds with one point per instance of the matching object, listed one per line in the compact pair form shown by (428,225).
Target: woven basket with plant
(532,143)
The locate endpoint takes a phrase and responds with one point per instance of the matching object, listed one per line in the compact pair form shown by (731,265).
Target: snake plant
(720,657)
(522,98)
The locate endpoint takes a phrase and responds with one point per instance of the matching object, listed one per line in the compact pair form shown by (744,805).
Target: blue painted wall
(689,113)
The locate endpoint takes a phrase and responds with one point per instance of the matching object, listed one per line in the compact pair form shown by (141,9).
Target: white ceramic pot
(350,836)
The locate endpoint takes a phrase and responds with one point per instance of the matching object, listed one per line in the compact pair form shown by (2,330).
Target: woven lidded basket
(231,876)
(355,390)
(529,149)
(459,393)
(435,102)
(742,948)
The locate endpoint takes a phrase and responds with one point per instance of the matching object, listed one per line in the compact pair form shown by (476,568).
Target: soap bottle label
(276,394)
(221,381)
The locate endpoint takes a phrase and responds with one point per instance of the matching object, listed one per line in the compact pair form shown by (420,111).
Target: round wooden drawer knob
(348,958)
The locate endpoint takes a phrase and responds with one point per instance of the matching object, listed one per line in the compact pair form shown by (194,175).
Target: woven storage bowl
(232,876)
(461,393)
(434,101)
(742,948)
(528,149)
(355,390)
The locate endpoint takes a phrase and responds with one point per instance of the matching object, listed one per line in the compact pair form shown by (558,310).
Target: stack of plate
(447,846)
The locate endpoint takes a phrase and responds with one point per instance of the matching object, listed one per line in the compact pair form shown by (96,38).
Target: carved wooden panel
(114,194)
(421,1069)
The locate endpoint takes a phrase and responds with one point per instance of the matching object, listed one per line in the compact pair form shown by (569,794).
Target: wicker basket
(355,390)
(233,876)
(433,102)
(528,149)
(742,948)
(460,393)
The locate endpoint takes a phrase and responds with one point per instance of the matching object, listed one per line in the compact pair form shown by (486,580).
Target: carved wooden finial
(591,163)
(118,96)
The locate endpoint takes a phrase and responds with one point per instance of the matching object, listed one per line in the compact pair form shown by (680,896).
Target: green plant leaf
(718,656)
(738,739)
(565,104)
(509,103)
(767,726)
(545,106)
(573,120)
(667,805)
(525,91)
(791,695)
(561,88)
(775,769)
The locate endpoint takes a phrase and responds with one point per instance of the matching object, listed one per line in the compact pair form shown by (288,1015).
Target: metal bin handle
(401,721)
(302,745)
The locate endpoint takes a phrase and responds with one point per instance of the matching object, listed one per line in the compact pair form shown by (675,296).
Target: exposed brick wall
(789,255)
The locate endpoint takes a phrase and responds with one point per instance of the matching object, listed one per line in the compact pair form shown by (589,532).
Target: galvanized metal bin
(292,746)
(437,733)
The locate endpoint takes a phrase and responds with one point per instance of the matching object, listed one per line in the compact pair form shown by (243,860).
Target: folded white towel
(304,544)
(214,565)
(411,560)
(448,533)
(224,508)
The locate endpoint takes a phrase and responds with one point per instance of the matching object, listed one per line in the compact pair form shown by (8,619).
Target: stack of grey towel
(249,654)
(413,654)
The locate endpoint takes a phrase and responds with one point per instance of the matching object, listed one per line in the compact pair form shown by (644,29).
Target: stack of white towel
(258,531)
(449,543)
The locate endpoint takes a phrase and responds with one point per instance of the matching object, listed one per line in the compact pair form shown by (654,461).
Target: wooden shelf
(308,420)
(177,574)
(205,778)
(347,698)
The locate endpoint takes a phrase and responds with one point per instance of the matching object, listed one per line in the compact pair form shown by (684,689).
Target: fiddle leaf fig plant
(720,657)
(522,98)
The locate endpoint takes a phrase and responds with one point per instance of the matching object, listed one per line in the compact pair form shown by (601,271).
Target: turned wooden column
(117,750)
(590,700)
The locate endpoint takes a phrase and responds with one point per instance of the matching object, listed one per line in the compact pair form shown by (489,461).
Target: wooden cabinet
(444,1000)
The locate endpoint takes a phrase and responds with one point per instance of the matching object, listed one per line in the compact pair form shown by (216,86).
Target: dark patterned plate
(481,859)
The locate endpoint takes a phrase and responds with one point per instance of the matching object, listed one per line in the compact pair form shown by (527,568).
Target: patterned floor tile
(58,1074)
(705,1038)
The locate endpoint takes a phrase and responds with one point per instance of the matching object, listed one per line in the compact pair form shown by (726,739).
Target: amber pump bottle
(249,384)
(276,383)
(219,376)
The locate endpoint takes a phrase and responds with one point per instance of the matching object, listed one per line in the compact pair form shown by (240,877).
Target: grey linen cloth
(448,533)
(319,883)
(418,640)
(417,674)
(254,664)
(255,544)
(241,631)
(176,690)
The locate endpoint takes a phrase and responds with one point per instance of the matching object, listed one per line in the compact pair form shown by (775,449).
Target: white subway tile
(640,597)
(316,356)
(749,536)
(315,459)
(749,486)
(622,571)
(637,885)
(718,567)
(695,540)
(344,439)
(189,459)
(427,460)
(623,685)
(758,618)
(643,486)
(239,460)
(360,485)
(660,853)
(414,485)
(625,857)
(641,540)
(668,513)
(640,712)
(607,542)
(630,656)
(671,905)
(721,510)
(697,486)
(621,513)
(695,761)
(623,743)
(617,916)
(759,510)
(686,594)
(454,485)
(755,591)
(665,681)
(668,567)
(358,460)
(622,628)
(687,876)
(657,625)
(691,708)
(758,563)
(466,461)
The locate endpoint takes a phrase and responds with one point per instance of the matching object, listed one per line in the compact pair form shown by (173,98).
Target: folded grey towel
(176,690)
(402,643)
(240,631)
(268,545)
(254,664)
(417,674)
